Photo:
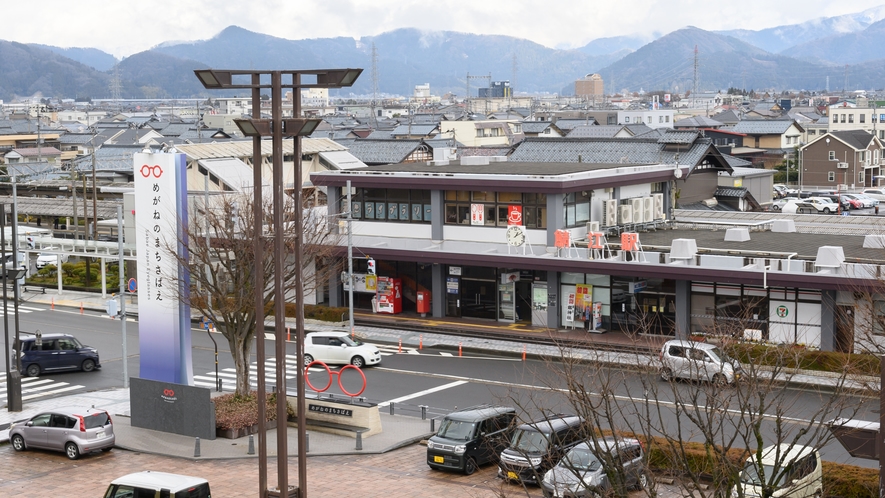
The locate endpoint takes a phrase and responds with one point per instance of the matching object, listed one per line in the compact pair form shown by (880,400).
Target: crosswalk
(38,387)
(228,376)
(10,309)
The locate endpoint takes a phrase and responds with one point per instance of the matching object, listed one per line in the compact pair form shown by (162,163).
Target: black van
(537,446)
(470,437)
(53,352)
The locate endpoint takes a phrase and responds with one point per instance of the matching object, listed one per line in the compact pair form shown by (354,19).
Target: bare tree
(222,267)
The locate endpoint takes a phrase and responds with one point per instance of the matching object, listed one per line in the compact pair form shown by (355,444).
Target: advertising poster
(584,303)
(477,214)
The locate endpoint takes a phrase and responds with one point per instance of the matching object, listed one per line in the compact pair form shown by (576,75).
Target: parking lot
(398,474)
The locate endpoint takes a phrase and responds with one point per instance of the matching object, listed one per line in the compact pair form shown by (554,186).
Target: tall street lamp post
(276,128)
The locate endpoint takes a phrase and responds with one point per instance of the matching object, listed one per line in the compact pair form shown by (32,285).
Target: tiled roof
(35,152)
(697,122)
(638,129)
(856,139)
(678,137)
(175,129)
(597,131)
(380,151)
(632,150)
(567,125)
(534,126)
(380,135)
(243,148)
(414,129)
(735,162)
(735,192)
(109,158)
(727,117)
(763,126)
(73,138)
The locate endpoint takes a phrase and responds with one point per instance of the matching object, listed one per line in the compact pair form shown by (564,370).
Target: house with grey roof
(374,152)
(851,158)
(541,129)
(778,137)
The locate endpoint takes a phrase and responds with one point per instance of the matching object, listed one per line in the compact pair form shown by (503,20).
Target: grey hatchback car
(583,472)
(72,430)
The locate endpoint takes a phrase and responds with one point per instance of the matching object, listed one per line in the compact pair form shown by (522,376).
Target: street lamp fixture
(277,127)
(293,127)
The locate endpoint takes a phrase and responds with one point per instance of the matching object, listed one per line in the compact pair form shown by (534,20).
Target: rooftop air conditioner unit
(625,214)
(659,206)
(610,213)
(592,226)
(648,209)
(636,203)
(842,165)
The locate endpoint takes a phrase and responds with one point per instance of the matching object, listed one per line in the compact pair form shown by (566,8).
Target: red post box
(423,302)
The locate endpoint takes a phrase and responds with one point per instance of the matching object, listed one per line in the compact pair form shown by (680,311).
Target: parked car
(867,201)
(778,204)
(697,361)
(74,431)
(53,352)
(840,200)
(583,472)
(779,191)
(158,484)
(339,348)
(48,258)
(851,203)
(811,205)
(470,437)
(790,470)
(815,193)
(537,446)
(875,193)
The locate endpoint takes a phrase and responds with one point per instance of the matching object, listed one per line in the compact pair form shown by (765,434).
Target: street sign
(132,286)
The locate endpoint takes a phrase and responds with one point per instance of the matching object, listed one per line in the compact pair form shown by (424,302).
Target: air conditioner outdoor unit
(610,214)
(636,202)
(648,209)
(592,226)
(659,206)
(842,165)
(625,214)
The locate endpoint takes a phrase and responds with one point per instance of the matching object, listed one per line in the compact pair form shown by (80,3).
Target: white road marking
(424,392)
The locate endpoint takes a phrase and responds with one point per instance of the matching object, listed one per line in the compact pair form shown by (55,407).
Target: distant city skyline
(125,28)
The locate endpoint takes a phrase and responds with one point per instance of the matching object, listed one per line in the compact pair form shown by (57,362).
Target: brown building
(590,87)
(849,158)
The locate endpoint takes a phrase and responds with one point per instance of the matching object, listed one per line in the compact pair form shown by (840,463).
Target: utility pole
(374,84)
(350,257)
(694,88)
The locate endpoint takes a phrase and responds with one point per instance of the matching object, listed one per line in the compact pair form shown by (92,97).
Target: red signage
(514,215)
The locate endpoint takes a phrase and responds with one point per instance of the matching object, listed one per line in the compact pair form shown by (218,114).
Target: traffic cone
(459,349)
(81,307)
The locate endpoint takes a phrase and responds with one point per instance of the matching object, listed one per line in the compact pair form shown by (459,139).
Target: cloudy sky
(125,27)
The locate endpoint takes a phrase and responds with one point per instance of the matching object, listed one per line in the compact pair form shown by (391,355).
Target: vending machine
(389,295)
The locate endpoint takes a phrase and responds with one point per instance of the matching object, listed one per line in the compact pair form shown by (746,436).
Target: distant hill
(779,38)
(614,44)
(27,70)
(91,57)
(848,48)
(668,63)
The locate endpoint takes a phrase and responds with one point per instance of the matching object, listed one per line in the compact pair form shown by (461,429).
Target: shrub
(233,411)
(312,312)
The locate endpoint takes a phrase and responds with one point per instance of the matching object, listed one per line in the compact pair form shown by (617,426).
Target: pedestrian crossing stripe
(229,375)
(37,387)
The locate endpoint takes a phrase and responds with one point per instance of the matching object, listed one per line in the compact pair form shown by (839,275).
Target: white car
(47,258)
(875,193)
(867,201)
(811,205)
(339,348)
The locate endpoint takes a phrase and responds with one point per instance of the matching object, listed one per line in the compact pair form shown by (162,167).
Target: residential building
(480,133)
(653,118)
(841,159)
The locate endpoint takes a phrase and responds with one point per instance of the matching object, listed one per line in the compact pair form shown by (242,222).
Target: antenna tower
(115,84)
(515,71)
(694,88)
(374,83)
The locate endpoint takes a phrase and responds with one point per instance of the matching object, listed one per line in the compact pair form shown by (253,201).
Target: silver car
(697,361)
(72,430)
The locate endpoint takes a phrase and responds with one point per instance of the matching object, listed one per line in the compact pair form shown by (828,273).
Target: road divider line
(424,392)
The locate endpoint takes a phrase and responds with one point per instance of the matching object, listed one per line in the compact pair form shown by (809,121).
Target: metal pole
(16,293)
(122,295)
(276,100)
(258,250)
(880,441)
(13,372)
(206,217)
(299,297)
(350,255)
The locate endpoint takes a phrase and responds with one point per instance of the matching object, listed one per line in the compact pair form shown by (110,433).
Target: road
(435,378)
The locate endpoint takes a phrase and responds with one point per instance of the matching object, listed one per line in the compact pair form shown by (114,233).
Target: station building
(566,242)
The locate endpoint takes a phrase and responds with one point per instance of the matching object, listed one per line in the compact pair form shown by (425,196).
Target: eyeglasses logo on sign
(147,171)
(168,396)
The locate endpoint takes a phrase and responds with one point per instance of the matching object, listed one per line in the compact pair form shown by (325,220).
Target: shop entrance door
(478,298)
(453,297)
(507,300)
(539,304)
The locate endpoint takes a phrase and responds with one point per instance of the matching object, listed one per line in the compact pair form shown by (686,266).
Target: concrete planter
(242,431)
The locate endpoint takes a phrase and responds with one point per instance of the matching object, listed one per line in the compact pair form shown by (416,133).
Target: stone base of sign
(242,431)
(340,417)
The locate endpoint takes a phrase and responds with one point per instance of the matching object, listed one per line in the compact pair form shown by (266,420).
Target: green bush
(850,481)
(806,359)
(312,312)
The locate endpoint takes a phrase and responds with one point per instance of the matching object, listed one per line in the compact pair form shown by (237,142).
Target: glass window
(510,197)
(483,196)
(851,118)
(831,176)
(863,118)
(832,155)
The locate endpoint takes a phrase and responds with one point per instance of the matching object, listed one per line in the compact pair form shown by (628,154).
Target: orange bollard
(523,352)
(53,304)
(459,349)
(288,334)
(420,342)
(400,350)
(81,307)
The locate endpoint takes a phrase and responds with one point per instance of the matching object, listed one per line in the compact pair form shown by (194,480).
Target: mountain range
(820,54)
